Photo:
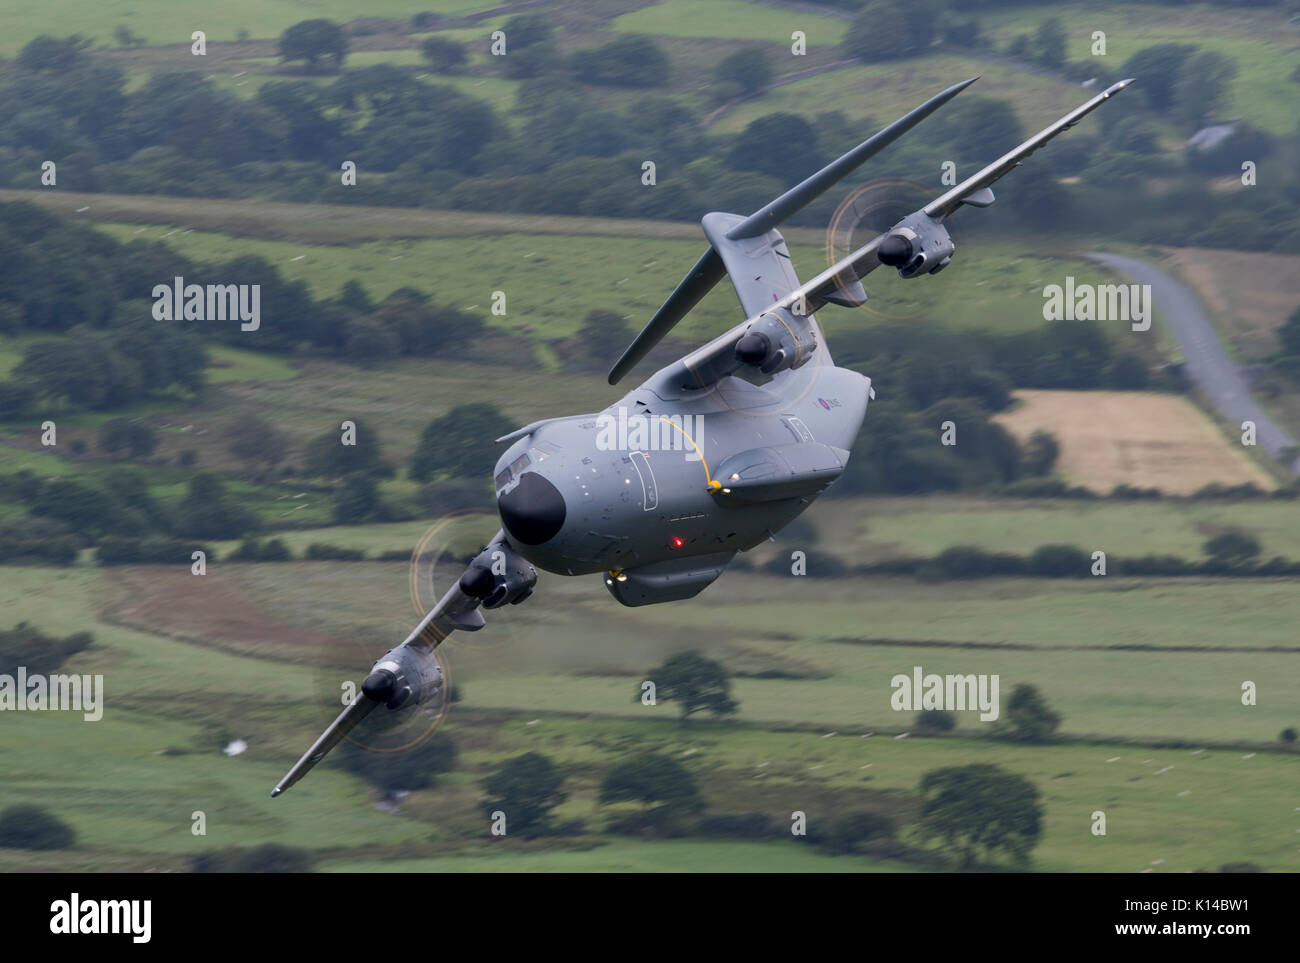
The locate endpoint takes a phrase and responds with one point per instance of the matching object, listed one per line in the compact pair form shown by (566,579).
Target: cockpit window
(520,463)
(503,478)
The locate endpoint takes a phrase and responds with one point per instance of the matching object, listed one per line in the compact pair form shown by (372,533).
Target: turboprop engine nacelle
(916,245)
(404,676)
(777,339)
(497,576)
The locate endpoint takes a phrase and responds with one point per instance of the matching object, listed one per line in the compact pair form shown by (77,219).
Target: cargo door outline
(649,491)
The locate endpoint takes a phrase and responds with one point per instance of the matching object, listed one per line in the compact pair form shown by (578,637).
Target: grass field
(1147,674)
(130,782)
(859,530)
(550,284)
(627,856)
(1265,48)
(733,20)
(864,530)
(173,23)
(1248,294)
(885,91)
(238,653)
(1110,438)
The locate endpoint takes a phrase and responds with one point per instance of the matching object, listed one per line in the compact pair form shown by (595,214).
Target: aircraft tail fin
(710,269)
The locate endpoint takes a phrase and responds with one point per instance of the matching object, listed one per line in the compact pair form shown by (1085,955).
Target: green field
(626,856)
(733,20)
(1260,41)
(885,91)
(865,530)
(550,283)
(172,23)
(130,782)
(1146,673)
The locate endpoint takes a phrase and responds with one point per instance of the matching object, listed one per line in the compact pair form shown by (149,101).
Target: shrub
(30,827)
(736,825)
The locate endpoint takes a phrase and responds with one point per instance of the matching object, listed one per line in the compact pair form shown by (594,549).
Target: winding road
(1208,364)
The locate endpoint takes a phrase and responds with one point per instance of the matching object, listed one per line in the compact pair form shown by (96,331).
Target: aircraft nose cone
(533,511)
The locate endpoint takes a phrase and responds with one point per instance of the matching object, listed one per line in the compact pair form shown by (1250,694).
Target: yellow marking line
(713,486)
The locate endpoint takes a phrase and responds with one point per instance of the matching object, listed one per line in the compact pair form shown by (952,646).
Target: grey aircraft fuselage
(624,508)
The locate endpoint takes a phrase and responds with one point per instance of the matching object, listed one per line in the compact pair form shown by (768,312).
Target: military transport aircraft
(711,455)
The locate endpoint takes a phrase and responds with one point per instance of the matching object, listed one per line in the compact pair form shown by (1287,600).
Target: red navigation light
(677,542)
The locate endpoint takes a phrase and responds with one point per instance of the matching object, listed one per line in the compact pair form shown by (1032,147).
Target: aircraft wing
(840,283)
(753,243)
(944,205)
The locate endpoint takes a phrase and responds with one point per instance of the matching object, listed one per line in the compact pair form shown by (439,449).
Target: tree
(849,831)
(85,507)
(936,720)
(696,683)
(1060,561)
(666,790)
(981,808)
(1232,548)
(353,297)
(1039,454)
(267,858)
(369,342)
(629,61)
(1049,40)
(460,442)
(328,457)
(1289,334)
(208,512)
(526,789)
(780,145)
(443,55)
(357,501)
(1202,86)
(30,827)
(1159,67)
(313,40)
(1028,717)
(748,68)
(258,442)
(886,30)
(415,768)
(136,438)
(54,53)
(526,29)
(602,337)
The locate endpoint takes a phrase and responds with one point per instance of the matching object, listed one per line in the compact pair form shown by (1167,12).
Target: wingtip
(276,791)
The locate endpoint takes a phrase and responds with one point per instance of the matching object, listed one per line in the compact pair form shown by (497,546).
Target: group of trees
(120,503)
(418,143)
(25,645)
(107,349)
(974,812)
